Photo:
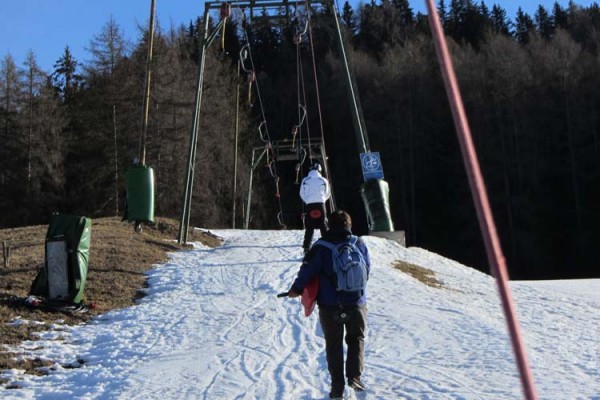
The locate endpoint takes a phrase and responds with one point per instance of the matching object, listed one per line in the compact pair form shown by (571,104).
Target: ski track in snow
(213,328)
(243,334)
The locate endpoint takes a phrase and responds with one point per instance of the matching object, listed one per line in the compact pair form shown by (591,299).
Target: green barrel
(375,195)
(139,180)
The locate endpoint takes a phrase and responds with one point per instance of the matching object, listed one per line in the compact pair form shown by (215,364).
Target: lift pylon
(383,221)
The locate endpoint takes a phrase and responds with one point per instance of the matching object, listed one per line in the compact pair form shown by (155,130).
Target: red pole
(478,190)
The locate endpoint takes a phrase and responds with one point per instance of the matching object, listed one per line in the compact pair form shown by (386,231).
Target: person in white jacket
(314,191)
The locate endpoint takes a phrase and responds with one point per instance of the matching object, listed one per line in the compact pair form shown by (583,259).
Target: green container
(375,195)
(64,274)
(139,180)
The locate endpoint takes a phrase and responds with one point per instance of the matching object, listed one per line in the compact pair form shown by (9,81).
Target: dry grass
(118,259)
(422,274)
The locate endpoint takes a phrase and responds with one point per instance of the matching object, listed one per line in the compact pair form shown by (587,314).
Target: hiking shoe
(336,393)
(356,384)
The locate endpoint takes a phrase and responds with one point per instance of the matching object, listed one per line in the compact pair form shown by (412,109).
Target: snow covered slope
(212,328)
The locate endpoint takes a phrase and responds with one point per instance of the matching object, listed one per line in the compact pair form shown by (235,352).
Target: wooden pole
(6,252)
(147,89)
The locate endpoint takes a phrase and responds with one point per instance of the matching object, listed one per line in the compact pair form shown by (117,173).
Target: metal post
(235,148)
(116,161)
(252,166)
(187,197)
(249,191)
(359,126)
(332,206)
(487,225)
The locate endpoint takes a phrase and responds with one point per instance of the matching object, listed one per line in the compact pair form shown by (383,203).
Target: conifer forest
(530,84)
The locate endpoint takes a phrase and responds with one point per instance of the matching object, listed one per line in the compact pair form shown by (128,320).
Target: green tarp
(65,268)
(375,195)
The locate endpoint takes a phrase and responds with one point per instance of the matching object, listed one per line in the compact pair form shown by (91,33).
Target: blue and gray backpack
(349,265)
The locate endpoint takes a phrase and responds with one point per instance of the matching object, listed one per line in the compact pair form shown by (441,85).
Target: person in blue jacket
(337,310)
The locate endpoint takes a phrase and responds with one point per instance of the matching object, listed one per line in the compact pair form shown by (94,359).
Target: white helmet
(316,167)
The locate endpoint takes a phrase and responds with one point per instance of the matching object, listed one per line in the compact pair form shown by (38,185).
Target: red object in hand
(309,296)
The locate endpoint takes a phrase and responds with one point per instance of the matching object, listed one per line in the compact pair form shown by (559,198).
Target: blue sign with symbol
(371,166)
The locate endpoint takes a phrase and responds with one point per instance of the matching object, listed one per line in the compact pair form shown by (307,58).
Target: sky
(47,26)
(211,327)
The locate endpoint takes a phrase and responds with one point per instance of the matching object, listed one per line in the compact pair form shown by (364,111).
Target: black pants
(355,327)
(315,218)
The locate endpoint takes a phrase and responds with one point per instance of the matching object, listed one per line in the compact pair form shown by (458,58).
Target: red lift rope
(478,190)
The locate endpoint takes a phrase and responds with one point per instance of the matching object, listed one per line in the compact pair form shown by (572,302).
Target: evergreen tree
(349,18)
(232,41)
(66,80)
(454,18)
(585,26)
(371,37)
(422,25)
(543,22)
(441,9)
(405,12)
(484,11)
(560,17)
(474,24)
(265,41)
(192,39)
(524,27)
(500,22)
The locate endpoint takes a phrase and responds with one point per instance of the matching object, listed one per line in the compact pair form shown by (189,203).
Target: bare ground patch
(421,274)
(118,259)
